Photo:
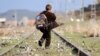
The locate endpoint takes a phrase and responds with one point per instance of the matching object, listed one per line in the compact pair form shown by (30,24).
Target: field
(84,34)
(29,47)
(12,38)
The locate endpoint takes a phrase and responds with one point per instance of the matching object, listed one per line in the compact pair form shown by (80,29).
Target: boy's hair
(48,7)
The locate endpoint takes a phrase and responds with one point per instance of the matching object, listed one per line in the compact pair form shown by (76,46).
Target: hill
(10,14)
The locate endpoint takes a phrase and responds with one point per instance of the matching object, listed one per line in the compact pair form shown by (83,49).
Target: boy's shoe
(40,44)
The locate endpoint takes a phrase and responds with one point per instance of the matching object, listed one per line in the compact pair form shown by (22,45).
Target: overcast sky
(38,5)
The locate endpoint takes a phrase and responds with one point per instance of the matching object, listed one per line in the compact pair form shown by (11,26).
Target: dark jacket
(50,16)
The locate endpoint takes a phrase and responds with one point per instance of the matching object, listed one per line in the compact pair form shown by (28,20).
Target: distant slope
(30,14)
(19,13)
(88,9)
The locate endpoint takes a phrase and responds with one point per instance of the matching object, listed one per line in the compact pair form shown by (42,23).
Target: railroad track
(78,51)
(24,36)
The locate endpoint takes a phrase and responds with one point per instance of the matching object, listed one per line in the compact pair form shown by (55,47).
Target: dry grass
(14,31)
(86,27)
(80,33)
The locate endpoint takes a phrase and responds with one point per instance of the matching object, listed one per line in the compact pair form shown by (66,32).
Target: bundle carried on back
(42,22)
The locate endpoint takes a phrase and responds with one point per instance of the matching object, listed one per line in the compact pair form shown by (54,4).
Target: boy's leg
(42,38)
(48,39)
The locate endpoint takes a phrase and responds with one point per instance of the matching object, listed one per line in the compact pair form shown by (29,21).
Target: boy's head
(48,7)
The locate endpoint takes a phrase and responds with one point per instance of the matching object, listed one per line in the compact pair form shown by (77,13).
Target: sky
(39,5)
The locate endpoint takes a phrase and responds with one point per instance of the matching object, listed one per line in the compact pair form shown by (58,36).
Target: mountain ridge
(10,14)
